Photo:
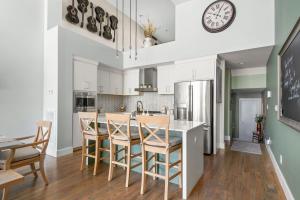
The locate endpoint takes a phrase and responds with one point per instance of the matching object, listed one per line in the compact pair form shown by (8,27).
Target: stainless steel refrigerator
(194,102)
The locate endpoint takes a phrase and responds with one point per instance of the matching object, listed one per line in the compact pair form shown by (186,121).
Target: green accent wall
(248,81)
(285,140)
(227,99)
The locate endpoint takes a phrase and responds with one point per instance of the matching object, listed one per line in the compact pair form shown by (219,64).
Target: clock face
(218,16)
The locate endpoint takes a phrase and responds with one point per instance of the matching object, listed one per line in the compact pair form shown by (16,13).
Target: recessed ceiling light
(241,63)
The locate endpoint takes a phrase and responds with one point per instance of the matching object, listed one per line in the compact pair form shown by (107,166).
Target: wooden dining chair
(157,140)
(91,132)
(8,178)
(29,153)
(118,126)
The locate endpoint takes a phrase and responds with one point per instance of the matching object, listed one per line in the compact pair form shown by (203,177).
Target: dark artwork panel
(290,79)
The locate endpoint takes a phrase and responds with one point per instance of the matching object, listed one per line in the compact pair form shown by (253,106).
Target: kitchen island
(192,150)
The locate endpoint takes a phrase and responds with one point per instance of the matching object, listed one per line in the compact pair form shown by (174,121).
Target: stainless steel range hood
(148,80)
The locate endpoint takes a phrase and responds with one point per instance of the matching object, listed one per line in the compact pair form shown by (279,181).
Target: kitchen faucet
(139,107)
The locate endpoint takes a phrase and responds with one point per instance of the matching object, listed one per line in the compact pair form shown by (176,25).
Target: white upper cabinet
(110,81)
(103,81)
(131,81)
(166,77)
(116,83)
(85,75)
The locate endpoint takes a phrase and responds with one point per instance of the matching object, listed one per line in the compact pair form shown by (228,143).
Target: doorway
(248,109)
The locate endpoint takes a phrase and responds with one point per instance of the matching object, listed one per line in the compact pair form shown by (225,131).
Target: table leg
(4,193)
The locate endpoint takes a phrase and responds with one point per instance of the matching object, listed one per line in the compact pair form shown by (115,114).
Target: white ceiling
(257,57)
(160,12)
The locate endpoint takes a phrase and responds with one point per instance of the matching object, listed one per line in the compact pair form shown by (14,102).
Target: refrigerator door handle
(190,113)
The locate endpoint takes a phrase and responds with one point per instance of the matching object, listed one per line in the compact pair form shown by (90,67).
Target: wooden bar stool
(118,126)
(91,132)
(158,141)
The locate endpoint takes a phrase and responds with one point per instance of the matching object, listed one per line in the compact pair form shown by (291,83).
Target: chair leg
(32,166)
(96,157)
(128,164)
(83,153)
(42,169)
(124,156)
(167,176)
(154,168)
(180,168)
(143,170)
(111,159)
(4,193)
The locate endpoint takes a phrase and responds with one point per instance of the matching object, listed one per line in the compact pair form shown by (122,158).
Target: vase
(258,127)
(148,42)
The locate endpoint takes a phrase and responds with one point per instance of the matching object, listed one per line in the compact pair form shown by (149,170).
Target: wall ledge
(283,183)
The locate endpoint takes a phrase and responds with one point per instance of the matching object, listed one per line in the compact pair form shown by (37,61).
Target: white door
(248,109)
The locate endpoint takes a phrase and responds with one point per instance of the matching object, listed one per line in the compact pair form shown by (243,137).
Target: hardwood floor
(227,176)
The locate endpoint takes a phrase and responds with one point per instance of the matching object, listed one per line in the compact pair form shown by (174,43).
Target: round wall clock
(218,16)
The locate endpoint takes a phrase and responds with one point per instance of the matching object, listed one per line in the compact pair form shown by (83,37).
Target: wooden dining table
(8,177)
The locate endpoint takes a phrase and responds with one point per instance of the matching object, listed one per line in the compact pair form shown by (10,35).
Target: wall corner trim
(227,138)
(221,145)
(283,183)
(61,152)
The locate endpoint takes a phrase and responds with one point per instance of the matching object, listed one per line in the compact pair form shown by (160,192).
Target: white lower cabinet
(77,135)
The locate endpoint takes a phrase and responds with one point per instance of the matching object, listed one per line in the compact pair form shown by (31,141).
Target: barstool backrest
(118,126)
(154,130)
(88,123)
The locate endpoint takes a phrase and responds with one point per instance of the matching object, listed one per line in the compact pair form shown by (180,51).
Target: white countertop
(175,125)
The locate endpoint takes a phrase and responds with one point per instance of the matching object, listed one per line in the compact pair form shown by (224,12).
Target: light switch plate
(269,94)
(276,108)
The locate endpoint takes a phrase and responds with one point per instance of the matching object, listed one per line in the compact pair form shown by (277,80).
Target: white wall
(248,31)
(21,66)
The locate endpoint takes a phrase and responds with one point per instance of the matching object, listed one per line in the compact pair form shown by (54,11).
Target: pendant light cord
(136,27)
(130,22)
(117,32)
(123,25)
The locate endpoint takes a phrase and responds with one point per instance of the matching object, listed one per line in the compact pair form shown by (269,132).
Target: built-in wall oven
(85,101)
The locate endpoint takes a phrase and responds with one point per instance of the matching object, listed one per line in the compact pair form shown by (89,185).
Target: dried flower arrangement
(149,29)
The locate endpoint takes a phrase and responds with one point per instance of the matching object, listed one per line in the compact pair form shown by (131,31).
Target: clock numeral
(226,8)
(217,23)
(213,9)
(217,6)
(212,24)
(226,17)
(227,13)
(209,21)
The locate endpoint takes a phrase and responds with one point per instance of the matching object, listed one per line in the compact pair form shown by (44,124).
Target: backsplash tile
(151,101)
(109,103)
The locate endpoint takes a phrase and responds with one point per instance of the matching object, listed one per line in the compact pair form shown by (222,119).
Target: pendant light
(130,29)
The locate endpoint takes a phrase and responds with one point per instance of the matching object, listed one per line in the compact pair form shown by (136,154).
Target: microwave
(85,102)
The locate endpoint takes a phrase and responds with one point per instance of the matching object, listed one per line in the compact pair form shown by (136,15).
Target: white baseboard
(283,183)
(227,138)
(221,145)
(60,152)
